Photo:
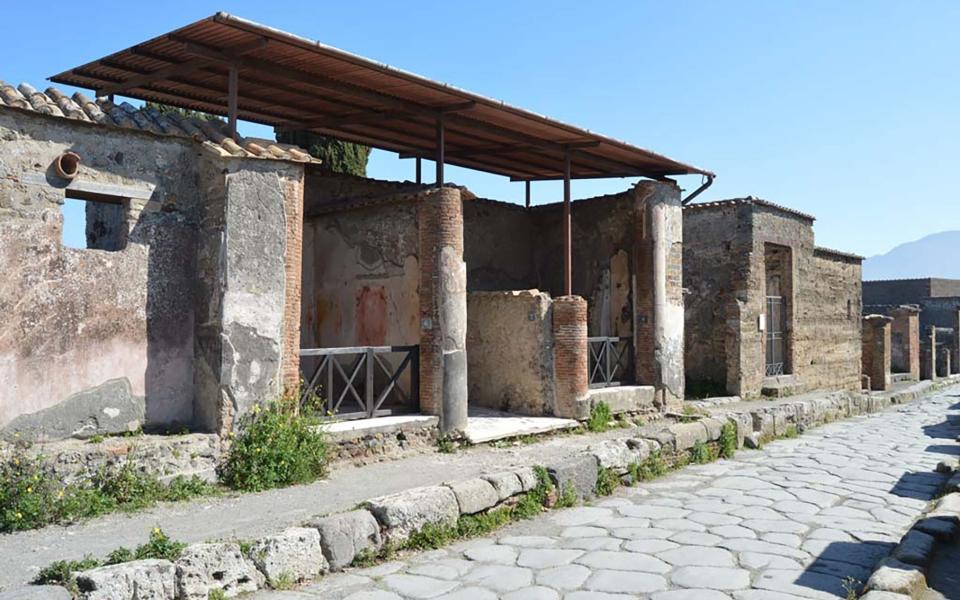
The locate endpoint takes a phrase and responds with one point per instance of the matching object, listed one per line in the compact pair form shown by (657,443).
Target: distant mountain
(932,256)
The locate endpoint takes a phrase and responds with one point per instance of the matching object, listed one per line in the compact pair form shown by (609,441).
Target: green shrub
(568,496)
(158,546)
(607,482)
(277,446)
(216,594)
(791,432)
(445,445)
(32,496)
(728,440)
(600,417)
(61,572)
(654,466)
(702,453)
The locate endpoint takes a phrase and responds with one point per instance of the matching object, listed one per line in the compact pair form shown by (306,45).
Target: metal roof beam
(176,69)
(320,81)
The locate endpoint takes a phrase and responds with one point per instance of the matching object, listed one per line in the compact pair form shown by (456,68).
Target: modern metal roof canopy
(234,67)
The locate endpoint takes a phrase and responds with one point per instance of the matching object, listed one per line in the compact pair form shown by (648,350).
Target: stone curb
(332,542)
(902,575)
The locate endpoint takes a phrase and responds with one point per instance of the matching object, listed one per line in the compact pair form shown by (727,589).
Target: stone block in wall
(135,580)
(294,553)
(579,473)
(474,495)
(345,535)
(203,568)
(403,513)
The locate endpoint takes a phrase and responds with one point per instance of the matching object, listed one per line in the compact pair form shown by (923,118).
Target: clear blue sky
(847,110)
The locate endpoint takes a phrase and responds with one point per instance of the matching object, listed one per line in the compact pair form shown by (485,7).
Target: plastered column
(443,309)
(955,360)
(928,355)
(570,357)
(876,350)
(659,318)
(906,328)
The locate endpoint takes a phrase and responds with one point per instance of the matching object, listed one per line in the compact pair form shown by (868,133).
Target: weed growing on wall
(728,440)
(32,496)
(600,417)
(278,445)
(607,482)
(702,453)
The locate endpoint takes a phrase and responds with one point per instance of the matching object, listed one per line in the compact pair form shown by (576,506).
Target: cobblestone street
(802,518)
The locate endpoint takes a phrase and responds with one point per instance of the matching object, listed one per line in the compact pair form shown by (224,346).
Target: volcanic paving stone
(793,520)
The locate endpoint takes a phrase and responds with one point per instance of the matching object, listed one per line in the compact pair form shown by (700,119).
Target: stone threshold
(325,542)
(487,425)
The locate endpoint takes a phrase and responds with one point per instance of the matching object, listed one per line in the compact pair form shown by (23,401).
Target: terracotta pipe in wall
(67,165)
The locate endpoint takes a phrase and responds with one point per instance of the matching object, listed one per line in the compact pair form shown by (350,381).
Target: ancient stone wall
(731,249)
(95,340)
(939,312)
(499,246)
(905,341)
(895,291)
(510,351)
(829,326)
(603,241)
(716,247)
(361,277)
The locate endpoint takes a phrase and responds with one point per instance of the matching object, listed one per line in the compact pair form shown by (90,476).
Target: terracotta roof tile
(211,134)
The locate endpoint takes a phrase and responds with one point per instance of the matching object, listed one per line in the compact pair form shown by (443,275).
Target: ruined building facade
(767,311)
(183,310)
(217,273)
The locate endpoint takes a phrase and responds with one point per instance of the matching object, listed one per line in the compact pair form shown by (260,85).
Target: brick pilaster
(906,329)
(292,260)
(570,356)
(876,350)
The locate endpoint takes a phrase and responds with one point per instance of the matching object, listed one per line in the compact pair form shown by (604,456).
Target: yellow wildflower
(29,490)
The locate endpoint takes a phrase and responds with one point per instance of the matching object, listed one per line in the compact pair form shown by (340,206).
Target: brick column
(906,329)
(658,311)
(876,350)
(443,308)
(292,274)
(570,357)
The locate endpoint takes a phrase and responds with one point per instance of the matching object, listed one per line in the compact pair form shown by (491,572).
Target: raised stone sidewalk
(274,517)
(804,518)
